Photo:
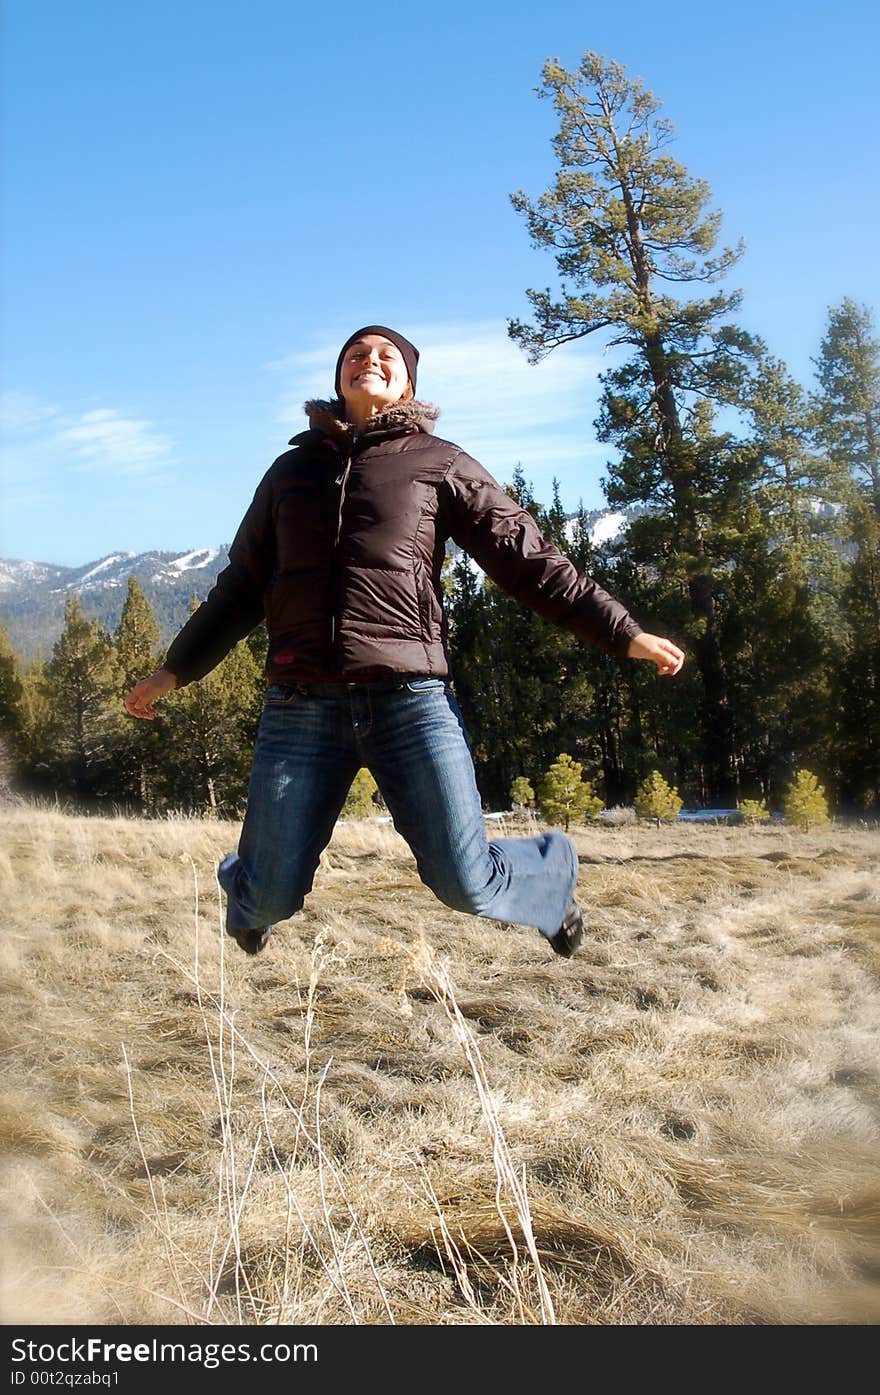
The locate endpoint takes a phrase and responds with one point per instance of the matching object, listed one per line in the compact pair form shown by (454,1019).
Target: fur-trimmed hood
(329,417)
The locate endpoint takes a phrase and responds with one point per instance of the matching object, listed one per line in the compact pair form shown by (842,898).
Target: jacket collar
(328,417)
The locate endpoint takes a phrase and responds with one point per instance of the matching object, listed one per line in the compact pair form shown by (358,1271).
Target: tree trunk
(716,722)
(873,457)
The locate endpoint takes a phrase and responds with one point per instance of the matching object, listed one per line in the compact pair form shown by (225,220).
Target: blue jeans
(313,739)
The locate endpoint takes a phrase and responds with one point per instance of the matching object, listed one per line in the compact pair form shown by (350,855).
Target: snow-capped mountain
(16,575)
(33,594)
(159,568)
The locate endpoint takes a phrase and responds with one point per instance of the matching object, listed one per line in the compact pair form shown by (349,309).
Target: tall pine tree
(783,623)
(848,412)
(848,398)
(629,229)
(35,739)
(138,751)
(83,688)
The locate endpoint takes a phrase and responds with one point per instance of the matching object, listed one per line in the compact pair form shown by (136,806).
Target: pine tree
(521,793)
(564,794)
(855,735)
(622,219)
(554,523)
(138,752)
(34,739)
(796,487)
(359,803)
(848,400)
(258,643)
(137,636)
(10,708)
(754,811)
(469,644)
(847,406)
(781,631)
(805,803)
(10,687)
(656,799)
(208,730)
(524,685)
(83,688)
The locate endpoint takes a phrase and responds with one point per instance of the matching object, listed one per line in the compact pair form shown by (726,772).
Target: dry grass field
(399,1114)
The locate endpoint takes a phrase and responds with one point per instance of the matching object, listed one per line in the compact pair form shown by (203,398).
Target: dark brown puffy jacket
(341,552)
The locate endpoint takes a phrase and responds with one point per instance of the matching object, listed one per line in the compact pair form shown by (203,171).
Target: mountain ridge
(33,594)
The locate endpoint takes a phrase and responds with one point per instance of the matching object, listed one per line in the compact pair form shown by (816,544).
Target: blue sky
(201,200)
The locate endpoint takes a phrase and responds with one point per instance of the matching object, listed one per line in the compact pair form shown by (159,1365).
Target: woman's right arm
(232,608)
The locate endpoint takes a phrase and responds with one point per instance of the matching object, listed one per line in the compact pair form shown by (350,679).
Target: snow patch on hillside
(609,526)
(187,562)
(14,574)
(99,567)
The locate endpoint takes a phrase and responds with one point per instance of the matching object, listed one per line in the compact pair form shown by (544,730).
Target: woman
(341,552)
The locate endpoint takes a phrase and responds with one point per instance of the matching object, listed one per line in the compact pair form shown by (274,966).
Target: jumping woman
(340,554)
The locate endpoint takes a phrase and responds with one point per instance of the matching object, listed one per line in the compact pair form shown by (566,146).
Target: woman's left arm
(506,542)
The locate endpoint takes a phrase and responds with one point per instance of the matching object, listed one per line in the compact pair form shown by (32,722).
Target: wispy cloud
(495,404)
(24,412)
(40,438)
(107,440)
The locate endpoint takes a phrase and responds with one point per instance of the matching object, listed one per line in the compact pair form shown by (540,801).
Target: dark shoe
(252,941)
(570,933)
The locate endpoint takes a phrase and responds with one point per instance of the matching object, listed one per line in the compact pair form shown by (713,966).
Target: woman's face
(373,373)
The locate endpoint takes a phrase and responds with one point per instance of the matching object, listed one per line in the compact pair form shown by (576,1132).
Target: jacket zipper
(341,481)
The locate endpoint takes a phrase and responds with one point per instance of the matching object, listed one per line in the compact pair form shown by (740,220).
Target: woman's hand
(139,702)
(662,652)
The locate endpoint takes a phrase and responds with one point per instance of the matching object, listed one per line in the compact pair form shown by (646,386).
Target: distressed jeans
(312,740)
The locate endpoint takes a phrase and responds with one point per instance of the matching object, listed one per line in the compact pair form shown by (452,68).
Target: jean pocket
(424,685)
(282,695)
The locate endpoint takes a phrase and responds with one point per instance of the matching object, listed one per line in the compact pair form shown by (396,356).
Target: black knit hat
(409,351)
